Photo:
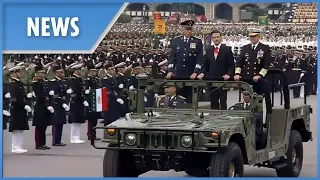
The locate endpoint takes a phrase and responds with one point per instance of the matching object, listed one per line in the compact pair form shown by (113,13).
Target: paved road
(81,160)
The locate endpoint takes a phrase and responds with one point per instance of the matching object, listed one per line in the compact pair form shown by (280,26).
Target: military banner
(263,20)
(159,26)
(99,100)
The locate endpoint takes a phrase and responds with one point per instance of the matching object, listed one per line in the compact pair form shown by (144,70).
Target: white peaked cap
(98,65)
(120,64)
(48,64)
(14,68)
(20,64)
(163,62)
(77,66)
(73,64)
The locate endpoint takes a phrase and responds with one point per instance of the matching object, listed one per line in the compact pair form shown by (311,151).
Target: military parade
(53,90)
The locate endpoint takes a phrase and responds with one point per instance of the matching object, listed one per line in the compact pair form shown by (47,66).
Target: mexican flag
(99,100)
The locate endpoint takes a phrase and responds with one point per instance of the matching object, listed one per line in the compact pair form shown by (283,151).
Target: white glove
(6,113)
(87,91)
(156,95)
(69,91)
(50,108)
(145,99)
(120,101)
(33,94)
(27,108)
(51,93)
(131,87)
(66,107)
(29,95)
(8,95)
(204,91)
(85,103)
(120,86)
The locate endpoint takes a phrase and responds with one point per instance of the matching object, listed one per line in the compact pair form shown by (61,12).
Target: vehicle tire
(196,172)
(294,157)
(227,162)
(117,163)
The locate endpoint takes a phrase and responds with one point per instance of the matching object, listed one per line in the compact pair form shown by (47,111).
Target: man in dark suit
(218,62)
(186,57)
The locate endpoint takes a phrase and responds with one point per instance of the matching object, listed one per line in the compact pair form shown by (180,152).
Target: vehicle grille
(158,141)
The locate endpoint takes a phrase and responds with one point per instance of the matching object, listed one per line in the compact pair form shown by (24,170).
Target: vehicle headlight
(186,141)
(130,139)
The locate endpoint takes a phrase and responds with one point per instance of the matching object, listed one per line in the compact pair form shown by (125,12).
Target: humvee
(204,142)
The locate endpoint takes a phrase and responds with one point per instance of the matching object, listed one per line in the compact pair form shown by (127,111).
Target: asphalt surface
(82,160)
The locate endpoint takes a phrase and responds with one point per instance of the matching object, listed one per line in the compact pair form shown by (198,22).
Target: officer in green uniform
(27,75)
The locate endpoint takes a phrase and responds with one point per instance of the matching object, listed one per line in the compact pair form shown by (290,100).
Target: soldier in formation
(19,109)
(43,109)
(60,101)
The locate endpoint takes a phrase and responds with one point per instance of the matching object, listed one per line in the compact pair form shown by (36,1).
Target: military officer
(170,99)
(253,65)
(6,95)
(77,104)
(313,73)
(27,76)
(60,104)
(245,104)
(132,80)
(186,57)
(115,102)
(91,83)
(43,109)
(19,109)
(122,90)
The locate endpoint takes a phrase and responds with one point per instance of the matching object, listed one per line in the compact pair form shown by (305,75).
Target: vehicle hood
(217,120)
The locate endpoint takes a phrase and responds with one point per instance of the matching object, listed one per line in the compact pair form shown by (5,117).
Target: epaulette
(162,96)
(177,37)
(53,80)
(195,37)
(34,81)
(182,97)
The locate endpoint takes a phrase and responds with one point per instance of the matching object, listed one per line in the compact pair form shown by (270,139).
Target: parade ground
(82,160)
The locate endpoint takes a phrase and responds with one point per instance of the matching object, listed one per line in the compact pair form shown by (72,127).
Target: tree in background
(124,18)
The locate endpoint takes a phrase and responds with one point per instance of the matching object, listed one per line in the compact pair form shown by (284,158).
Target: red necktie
(216,50)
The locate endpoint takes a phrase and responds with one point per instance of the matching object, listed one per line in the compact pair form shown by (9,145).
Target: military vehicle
(204,142)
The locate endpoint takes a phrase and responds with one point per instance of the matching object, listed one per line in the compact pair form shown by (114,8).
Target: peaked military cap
(246,93)
(254,32)
(15,68)
(187,23)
